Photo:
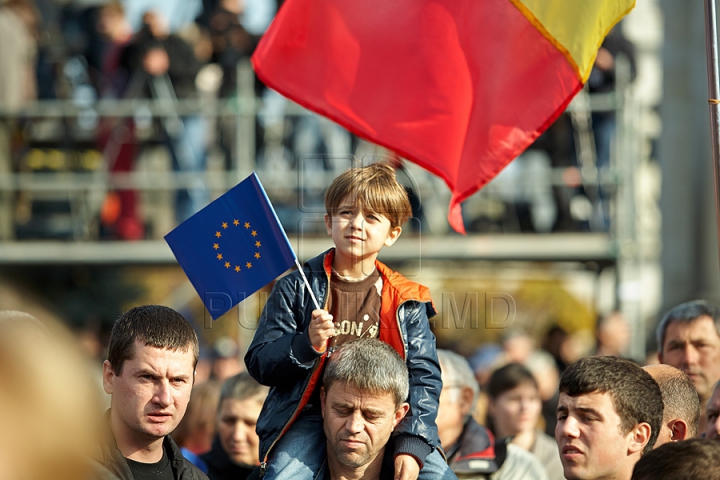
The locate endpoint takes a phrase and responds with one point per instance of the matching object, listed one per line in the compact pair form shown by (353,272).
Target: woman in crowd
(514,411)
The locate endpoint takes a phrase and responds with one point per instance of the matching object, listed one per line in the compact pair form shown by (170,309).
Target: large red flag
(460,87)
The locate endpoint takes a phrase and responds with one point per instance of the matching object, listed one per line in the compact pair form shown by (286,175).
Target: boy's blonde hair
(375,189)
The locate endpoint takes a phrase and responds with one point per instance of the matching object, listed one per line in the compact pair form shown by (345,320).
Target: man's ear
(393,236)
(465,403)
(660,357)
(678,430)
(400,414)
(323,394)
(328,224)
(639,437)
(108,377)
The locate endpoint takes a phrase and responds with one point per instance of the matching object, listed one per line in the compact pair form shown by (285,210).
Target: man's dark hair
(155,326)
(635,395)
(686,313)
(687,460)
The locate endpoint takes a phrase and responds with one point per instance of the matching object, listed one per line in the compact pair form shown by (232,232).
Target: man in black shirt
(149,374)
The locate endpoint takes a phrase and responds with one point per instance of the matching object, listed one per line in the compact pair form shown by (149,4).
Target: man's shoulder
(107,462)
(192,472)
(99,470)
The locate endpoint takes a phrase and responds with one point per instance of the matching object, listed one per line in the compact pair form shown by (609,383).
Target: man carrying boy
(361,298)
(363,397)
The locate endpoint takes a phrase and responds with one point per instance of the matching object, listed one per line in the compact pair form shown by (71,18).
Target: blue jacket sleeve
(424,370)
(281,352)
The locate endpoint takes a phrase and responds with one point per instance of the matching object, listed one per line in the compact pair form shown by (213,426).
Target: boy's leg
(436,468)
(300,453)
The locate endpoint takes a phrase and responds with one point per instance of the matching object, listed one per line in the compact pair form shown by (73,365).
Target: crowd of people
(614,419)
(372,401)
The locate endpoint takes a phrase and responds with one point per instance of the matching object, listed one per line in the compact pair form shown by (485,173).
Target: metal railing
(83,180)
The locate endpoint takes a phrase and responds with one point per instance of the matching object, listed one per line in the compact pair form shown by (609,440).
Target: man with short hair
(681,405)
(149,373)
(236,448)
(689,339)
(609,413)
(362,400)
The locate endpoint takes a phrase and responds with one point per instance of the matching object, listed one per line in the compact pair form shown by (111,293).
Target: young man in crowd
(149,374)
(609,414)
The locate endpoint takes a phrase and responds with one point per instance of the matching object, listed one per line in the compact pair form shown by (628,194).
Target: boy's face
(357,234)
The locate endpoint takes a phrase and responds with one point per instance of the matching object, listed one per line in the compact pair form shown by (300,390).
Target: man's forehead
(348,394)
(701,325)
(595,400)
(150,355)
(142,346)
(242,409)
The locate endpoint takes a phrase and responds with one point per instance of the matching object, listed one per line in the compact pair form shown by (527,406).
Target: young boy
(360,297)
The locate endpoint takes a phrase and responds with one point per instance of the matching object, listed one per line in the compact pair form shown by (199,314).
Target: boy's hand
(406,467)
(321,329)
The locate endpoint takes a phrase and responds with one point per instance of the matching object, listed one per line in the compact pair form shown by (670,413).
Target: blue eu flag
(233,247)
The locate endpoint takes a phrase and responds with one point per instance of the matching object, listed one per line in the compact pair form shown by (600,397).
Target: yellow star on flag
(257,244)
(227,264)
(253,233)
(236,222)
(247,224)
(257,254)
(216,246)
(219,256)
(224,225)
(248,265)
(218,234)
(237,268)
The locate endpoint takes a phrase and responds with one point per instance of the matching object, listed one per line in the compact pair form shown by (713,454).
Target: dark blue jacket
(282,357)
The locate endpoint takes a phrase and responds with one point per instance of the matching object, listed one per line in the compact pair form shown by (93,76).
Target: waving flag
(233,247)
(460,87)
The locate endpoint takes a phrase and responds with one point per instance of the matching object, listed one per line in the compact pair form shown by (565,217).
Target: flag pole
(711,48)
(307,284)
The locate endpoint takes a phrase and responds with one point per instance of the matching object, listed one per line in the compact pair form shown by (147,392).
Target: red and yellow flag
(460,87)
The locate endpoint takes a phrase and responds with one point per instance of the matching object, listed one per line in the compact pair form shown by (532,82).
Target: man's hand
(406,467)
(321,329)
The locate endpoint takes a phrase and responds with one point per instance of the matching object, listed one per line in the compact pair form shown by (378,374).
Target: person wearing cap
(471,449)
